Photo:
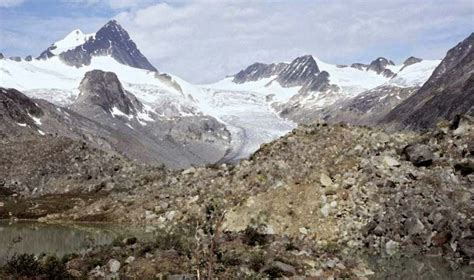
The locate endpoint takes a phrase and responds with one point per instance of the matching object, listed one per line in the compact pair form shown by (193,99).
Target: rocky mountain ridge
(107,117)
(448,92)
(110,40)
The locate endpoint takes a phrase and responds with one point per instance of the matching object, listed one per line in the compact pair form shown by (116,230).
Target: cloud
(114,4)
(10,3)
(204,40)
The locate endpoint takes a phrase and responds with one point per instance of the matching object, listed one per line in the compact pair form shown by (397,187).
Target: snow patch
(35,119)
(117,113)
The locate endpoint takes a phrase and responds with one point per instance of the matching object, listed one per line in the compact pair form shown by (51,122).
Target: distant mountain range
(99,88)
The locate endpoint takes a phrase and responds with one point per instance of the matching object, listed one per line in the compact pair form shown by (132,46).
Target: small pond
(36,238)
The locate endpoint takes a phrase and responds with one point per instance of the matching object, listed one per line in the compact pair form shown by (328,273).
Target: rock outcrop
(448,92)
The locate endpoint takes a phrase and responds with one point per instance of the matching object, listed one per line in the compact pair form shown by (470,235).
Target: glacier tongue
(249,118)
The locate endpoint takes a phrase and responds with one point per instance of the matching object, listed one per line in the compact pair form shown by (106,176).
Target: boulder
(418,154)
(113,265)
(390,161)
(466,245)
(465,168)
(279,269)
(325,180)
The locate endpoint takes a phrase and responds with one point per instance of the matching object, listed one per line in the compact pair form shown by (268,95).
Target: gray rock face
(299,72)
(1,56)
(16,110)
(360,66)
(110,40)
(448,92)
(104,90)
(258,71)
(15,58)
(302,71)
(412,60)
(388,73)
(318,83)
(379,64)
(367,108)
(28,58)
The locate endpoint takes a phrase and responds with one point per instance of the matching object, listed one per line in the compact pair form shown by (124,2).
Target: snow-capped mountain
(71,41)
(112,40)
(308,88)
(166,109)
(170,120)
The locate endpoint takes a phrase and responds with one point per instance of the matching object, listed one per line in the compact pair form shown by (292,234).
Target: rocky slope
(17,110)
(448,92)
(329,193)
(99,118)
(367,108)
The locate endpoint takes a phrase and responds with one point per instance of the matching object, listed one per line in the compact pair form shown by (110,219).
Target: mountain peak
(77,48)
(113,27)
(379,65)
(258,71)
(299,71)
(411,60)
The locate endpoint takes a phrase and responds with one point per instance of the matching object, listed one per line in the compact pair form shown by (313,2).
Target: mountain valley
(291,170)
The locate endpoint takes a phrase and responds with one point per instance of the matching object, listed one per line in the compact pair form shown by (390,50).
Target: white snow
(352,81)
(21,124)
(117,113)
(35,119)
(266,86)
(71,41)
(41,132)
(416,74)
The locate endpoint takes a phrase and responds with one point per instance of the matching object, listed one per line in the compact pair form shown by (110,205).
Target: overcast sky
(205,40)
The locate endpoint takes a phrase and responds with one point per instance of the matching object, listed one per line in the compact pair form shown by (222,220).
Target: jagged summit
(412,60)
(77,48)
(298,71)
(258,71)
(379,66)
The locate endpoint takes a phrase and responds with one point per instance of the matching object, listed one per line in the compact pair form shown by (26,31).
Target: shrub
(23,265)
(252,237)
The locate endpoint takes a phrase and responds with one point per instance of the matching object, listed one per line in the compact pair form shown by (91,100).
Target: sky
(205,40)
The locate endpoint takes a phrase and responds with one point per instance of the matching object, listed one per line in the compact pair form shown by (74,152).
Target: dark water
(37,238)
(417,268)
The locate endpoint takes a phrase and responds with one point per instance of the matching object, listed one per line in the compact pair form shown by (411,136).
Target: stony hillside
(448,92)
(326,192)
